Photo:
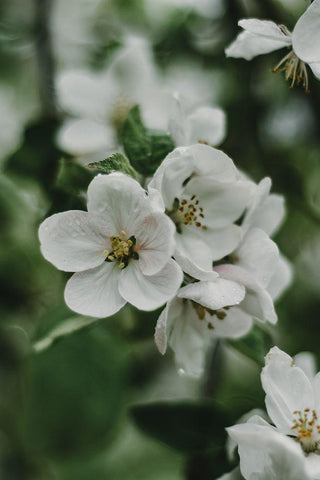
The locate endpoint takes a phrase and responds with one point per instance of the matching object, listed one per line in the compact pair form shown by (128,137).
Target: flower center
(120,110)
(122,250)
(201,313)
(187,211)
(307,429)
(295,70)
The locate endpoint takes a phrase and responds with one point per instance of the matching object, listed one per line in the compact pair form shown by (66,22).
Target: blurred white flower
(202,193)
(264,36)
(290,449)
(120,249)
(202,124)
(100,101)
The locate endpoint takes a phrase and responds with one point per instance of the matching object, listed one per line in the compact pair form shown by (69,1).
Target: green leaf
(185,426)
(255,345)
(115,163)
(38,155)
(144,147)
(75,394)
(65,328)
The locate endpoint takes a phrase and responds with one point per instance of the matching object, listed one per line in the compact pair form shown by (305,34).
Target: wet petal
(287,389)
(306,34)
(150,292)
(75,240)
(95,292)
(155,242)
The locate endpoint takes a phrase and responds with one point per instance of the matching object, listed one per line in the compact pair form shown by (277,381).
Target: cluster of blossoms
(290,447)
(197,240)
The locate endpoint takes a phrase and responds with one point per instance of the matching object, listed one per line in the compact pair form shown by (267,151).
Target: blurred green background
(75,410)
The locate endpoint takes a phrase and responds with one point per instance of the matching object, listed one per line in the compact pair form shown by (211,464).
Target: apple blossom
(264,36)
(201,191)
(204,310)
(202,124)
(120,249)
(290,448)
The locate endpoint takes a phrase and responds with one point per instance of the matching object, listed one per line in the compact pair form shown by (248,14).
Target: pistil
(122,250)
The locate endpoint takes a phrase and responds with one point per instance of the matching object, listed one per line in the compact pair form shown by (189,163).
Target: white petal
(149,292)
(287,389)
(281,279)
(315,67)
(121,199)
(171,313)
(189,267)
(169,177)
(259,255)
(95,292)
(265,28)
(193,244)
(313,465)
(206,124)
(248,45)
(214,295)
(188,341)
(83,93)
(204,246)
(236,324)
(155,242)
(257,301)
(208,161)
(222,202)
(75,240)
(266,454)
(306,34)
(80,137)
(266,211)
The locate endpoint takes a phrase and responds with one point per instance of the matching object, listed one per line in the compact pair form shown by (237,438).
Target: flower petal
(190,268)
(149,292)
(287,389)
(188,340)
(266,454)
(155,242)
(95,292)
(81,137)
(306,34)
(213,295)
(222,202)
(236,324)
(258,255)
(265,28)
(206,124)
(171,313)
(248,45)
(257,301)
(266,210)
(121,199)
(281,278)
(75,240)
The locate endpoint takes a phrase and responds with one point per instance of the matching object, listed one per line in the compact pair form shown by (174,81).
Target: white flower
(202,193)
(101,100)
(203,311)
(264,36)
(120,249)
(201,124)
(266,212)
(290,448)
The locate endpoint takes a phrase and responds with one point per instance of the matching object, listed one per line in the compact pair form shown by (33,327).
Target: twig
(44,54)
